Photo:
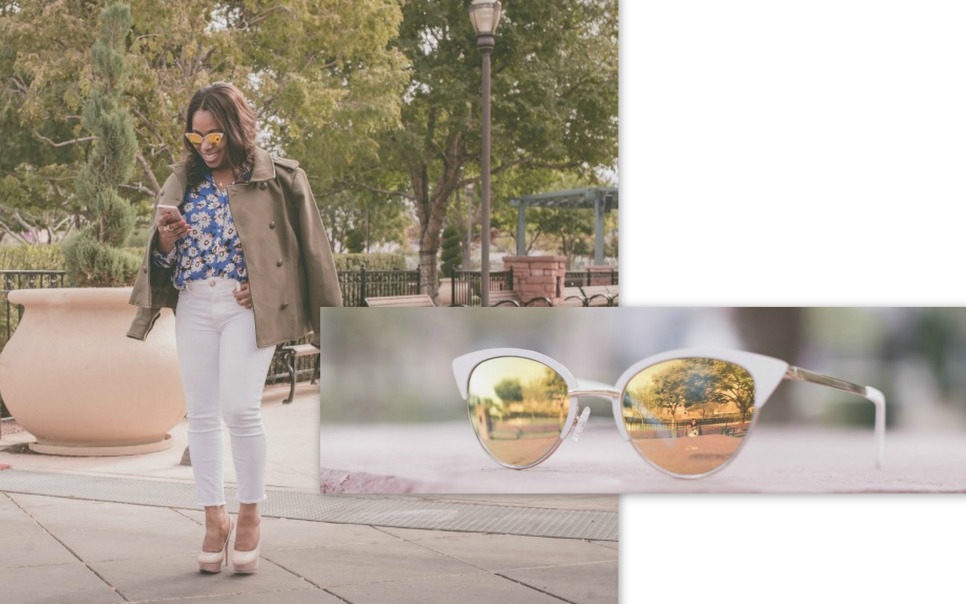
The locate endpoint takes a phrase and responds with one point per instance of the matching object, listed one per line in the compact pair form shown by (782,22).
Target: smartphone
(172,213)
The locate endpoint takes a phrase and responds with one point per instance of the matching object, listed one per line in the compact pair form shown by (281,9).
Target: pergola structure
(602,199)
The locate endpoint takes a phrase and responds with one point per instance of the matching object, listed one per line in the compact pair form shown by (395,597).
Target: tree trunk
(431,204)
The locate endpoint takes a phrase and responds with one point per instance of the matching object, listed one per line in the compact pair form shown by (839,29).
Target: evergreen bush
(355,241)
(372,262)
(93,257)
(452,253)
(32,258)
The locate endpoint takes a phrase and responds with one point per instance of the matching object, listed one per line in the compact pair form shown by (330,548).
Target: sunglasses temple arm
(867,392)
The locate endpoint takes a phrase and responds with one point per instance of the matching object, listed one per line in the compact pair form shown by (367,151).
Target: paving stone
(420,534)
(135,542)
(481,588)
(285,533)
(502,552)
(26,546)
(594,583)
(32,501)
(73,583)
(308,595)
(73,514)
(369,562)
(16,520)
(178,577)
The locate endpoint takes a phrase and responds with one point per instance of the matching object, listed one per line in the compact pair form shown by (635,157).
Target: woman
(246,265)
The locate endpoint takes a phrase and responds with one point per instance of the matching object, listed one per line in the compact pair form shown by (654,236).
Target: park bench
(573,293)
(291,352)
(587,294)
(593,292)
(416,300)
(512,298)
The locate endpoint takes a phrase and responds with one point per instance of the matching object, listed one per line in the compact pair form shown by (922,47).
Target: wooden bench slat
(418,300)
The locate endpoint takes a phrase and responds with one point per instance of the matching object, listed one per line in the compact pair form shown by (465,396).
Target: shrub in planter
(93,257)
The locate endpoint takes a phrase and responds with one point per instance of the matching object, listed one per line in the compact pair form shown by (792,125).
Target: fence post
(362,286)
(452,285)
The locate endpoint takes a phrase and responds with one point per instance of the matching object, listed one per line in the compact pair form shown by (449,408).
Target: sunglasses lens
(518,408)
(689,416)
(213,138)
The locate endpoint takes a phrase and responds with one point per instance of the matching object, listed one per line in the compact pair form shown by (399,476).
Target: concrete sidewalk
(68,550)
(123,529)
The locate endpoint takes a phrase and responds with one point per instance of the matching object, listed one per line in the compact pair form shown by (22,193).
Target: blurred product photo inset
(686,387)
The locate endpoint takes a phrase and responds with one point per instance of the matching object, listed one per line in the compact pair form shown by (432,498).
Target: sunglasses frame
(767,373)
(204,137)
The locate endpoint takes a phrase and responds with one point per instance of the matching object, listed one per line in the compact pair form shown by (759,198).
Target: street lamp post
(485,16)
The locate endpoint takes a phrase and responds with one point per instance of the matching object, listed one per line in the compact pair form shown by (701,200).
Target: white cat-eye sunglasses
(687,412)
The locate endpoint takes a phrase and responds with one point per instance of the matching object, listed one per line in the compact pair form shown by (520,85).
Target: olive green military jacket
(291,272)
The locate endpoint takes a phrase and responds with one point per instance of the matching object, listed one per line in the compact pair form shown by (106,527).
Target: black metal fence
(12,280)
(590,277)
(465,285)
(359,285)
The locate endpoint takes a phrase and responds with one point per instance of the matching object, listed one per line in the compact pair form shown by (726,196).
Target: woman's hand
(170,230)
(243,295)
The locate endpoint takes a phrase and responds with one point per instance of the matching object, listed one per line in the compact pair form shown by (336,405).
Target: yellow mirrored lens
(213,138)
(689,416)
(518,408)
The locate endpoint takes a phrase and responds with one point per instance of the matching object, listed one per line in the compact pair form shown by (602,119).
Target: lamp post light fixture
(485,16)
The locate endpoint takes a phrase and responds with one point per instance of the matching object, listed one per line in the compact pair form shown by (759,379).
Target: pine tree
(452,255)
(92,257)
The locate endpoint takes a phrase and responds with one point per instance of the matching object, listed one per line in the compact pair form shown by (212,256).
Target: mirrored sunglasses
(686,412)
(213,138)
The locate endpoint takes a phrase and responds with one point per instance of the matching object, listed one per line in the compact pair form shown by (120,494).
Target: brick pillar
(535,276)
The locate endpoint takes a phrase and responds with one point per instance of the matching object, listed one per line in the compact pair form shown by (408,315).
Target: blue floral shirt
(212,247)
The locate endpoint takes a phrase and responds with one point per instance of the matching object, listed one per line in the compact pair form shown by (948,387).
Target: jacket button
(262,185)
(271,224)
(144,268)
(278,263)
(284,305)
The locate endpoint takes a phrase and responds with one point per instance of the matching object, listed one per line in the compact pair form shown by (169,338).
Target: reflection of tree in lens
(662,400)
(522,420)
(509,390)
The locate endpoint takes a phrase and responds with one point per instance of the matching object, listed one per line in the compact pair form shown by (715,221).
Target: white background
(792,153)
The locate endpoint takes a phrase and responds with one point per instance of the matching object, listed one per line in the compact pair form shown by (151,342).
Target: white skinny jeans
(223,374)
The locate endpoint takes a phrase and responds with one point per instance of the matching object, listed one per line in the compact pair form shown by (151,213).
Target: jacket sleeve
(322,279)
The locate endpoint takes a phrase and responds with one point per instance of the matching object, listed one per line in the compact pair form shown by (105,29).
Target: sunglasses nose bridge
(593,388)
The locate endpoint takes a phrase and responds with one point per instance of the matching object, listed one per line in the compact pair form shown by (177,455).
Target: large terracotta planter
(72,378)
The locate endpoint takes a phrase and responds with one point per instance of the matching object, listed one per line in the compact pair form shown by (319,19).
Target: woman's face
(215,157)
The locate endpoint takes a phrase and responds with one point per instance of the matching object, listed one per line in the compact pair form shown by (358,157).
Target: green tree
(554,102)
(92,257)
(734,385)
(320,74)
(509,390)
(355,241)
(452,254)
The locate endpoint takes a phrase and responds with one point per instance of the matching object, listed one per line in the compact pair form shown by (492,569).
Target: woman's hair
(235,117)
